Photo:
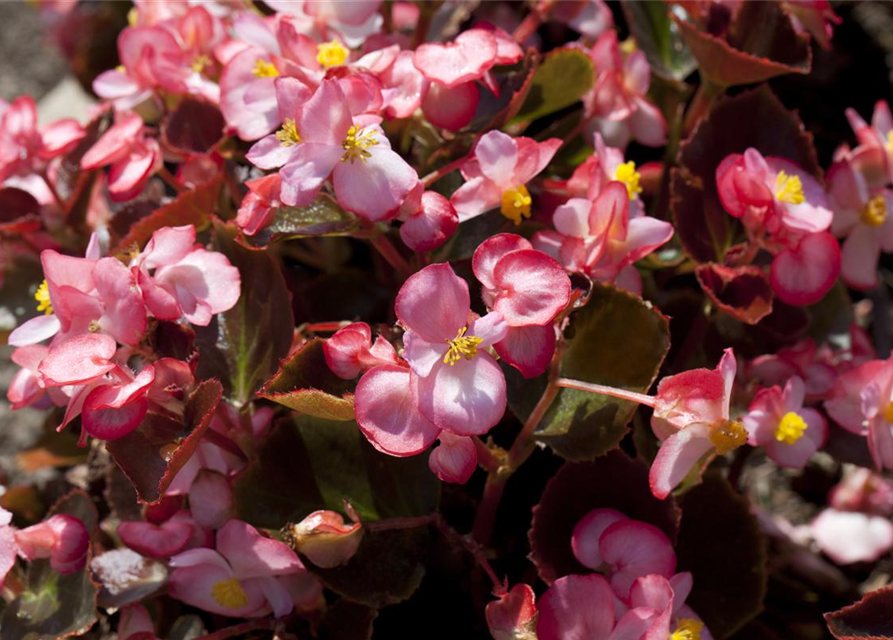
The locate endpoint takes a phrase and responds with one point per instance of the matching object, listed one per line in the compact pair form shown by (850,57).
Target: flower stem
(622,394)
(437,174)
(171,180)
(391,255)
(532,21)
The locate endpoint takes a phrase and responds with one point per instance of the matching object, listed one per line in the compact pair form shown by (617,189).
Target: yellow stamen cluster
(332,54)
(288,135)
(42,296)
(875,212)
(357,143)
(728,436)
(264,69)
(461,346)
(889,143)
(790,428)
(627,174)
(516,204)
(201,62)
(888,413)
(789,189)
(687,629)
(229,593)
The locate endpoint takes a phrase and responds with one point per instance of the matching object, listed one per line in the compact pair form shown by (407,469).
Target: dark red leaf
(868,619)
(194,126)
(742,292)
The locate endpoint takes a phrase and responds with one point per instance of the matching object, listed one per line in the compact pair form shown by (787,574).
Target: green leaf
(658,36)
(577,489)
(53,605)
(305,383)
(721,544)
(563,78)
(322,217)
(619,340)
(242,347)
(308,463)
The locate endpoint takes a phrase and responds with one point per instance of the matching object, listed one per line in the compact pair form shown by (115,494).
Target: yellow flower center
(888,413)
(288,135)
(875,212)
(728,436)
(687,629)
(789,189)
(201,62)
(331,54)
(889,143)
(627,174)
(516,204)
(790,428)
(357,143)
(229,593)
(462,346)
(264,69)
(43,298)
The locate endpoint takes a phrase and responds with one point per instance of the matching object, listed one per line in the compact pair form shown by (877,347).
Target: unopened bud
(325,539)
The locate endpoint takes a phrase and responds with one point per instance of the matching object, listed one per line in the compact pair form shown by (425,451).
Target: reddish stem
(391,255)
(171,180)
(613,392)
(437,174)
(532,21)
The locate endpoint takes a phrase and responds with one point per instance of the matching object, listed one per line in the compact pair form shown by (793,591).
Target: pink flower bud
(325,539)
(61,538)
(455,459)
(513,616)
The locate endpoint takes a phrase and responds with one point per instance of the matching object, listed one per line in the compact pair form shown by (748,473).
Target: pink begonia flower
(247,576)
(62,538)
(618,101)
(455,459)
(691,419)
(789,432)
(23,148)
(180,278)
(776,197)
(451,384)
(874,156)
(590,18)
(26,388)
(815,17)
(803,360)
(862,217)
(403,86)
(604,166)
(326,539)
(600,239)
(632,549)
(498,173)
(863,490)
(350,351)
(354,21)
(322,139)
(529,289)
(862,402)
(259,204)
(513,615)
(132,157)
(155,541)
(849,536)
(428,220)
(576,608)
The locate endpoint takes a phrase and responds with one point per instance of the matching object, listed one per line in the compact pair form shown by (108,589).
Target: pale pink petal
(387,413)
(434,303)
(677,456)
(528,349)
(168,246)
(531,288)
(497,155)
(35,330)
(533,157)
(473,52)
(859,258)
(421,354)
(115,143)
(647,124)
(385,174)
(576,608)
(195,585)
(848,537)
(572,218)
(125,314)
(467,398)
(475,197)
(155,541)
(587,533)
(252,555)
(211,499)
(78,360)
(204,283)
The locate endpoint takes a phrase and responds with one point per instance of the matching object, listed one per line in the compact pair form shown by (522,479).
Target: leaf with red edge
(152,454)
(190,207)
(754,118)
(194,126)
(868,619)
(19,212)
(242,347)
(614,481)
(742,292)
(762,43)
(514,84)
(322,217)
(53,605)
(721,545)
(305,383)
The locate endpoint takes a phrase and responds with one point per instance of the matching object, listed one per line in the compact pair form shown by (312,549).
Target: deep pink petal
(434,303)
(576,608)
(802,275)
(455,459)
(528,349)
(491,251)
(531,288)
(587,533)
(635,549)
(155,541)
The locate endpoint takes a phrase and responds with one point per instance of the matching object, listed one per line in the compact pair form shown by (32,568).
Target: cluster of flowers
(96,312)
(634,594)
